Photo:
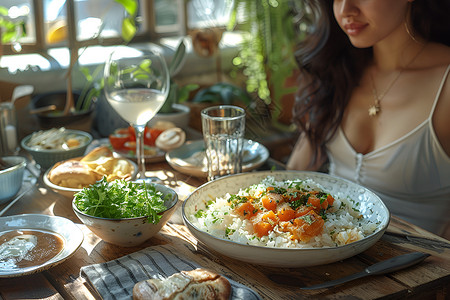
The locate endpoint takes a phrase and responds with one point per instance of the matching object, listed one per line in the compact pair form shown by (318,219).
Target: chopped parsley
(229,231)
(200,213)
(121,199)
(301,201)
(322,196)
(307,219)
(278,190)
(235,200)
(323,214)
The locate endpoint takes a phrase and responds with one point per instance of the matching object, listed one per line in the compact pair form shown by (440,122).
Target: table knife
(390,265)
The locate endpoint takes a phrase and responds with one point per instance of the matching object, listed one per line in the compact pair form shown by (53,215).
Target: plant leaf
(3,11)
(129,5)
(178,59)
(183,92)
(128,29)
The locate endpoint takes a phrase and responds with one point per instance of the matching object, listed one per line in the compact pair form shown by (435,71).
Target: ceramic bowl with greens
(125,213)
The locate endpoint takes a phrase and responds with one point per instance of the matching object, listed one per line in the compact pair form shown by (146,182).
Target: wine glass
(136,85)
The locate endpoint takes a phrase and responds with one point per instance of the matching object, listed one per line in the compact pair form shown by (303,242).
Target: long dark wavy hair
(331,67)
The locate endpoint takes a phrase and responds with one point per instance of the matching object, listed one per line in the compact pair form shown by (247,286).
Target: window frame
(150,33)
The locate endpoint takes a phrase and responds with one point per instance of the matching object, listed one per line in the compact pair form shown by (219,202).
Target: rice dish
(330,221)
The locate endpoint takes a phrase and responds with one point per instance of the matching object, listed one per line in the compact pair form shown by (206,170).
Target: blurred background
(237,52)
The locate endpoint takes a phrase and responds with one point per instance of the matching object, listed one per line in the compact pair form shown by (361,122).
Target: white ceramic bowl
(370,206)
(11,178)
(129,232)
(48,157)
(69,192)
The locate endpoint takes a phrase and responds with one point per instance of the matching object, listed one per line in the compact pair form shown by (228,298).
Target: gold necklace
(375,108)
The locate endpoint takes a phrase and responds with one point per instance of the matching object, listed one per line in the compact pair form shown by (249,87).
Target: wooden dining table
(429,279)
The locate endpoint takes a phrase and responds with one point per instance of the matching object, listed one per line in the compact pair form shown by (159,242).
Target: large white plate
(370,206)
(190,158)
(72,235)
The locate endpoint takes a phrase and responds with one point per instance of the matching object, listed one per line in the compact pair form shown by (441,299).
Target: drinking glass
(8,129)
(223,129)
(136,85)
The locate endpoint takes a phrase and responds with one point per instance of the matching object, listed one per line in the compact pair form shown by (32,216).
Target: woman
(375,102)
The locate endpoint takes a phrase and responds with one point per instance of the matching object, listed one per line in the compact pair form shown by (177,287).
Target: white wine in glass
(136,85)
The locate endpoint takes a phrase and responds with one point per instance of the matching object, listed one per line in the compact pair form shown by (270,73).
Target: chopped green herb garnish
(278,190)
(307,219)
(121,199)
(200,213)
(301,201)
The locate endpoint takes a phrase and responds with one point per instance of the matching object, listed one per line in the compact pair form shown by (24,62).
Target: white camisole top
(411,175)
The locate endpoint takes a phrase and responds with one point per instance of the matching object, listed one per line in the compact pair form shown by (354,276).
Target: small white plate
(190,158)
(66,229)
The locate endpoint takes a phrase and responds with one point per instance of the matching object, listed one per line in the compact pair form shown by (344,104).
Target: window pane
(102,17)
(55,23)
(208,13)
(99,18)
(93,16)
(18,18)
(166,12)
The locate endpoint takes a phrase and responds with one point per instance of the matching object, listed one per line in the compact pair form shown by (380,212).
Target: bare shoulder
(435,63)
(441,122)
(437,55)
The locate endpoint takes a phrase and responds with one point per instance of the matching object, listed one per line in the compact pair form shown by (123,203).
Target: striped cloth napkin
(115,279)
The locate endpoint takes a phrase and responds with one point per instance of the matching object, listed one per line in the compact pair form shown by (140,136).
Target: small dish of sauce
(26,248)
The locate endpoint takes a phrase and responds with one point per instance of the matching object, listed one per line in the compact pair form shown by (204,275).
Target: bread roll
(100,160)
(122,169)
(72,174)
(97,153)
(195,284)
(81,173)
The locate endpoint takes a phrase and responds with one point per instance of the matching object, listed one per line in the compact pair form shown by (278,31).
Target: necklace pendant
(374,109)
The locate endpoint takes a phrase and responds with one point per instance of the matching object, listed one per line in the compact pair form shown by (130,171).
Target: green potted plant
(74,105)
(217,94)
(174,109)
(266,54)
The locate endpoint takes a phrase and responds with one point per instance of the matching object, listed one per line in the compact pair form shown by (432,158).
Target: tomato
(119,138)
(125,139)
(131,133)
(150,135)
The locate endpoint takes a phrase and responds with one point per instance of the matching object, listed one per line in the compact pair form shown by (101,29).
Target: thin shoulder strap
(441,87)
